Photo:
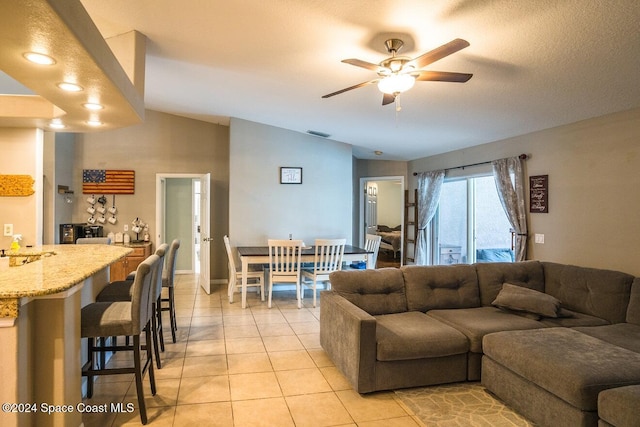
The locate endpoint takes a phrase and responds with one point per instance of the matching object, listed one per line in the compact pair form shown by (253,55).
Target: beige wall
(162,144)
(593,188)
(22,154)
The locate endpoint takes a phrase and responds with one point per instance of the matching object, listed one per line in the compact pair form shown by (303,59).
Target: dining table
(257,255)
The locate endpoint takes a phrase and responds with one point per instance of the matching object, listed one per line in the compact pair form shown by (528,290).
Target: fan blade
(388,98)
(350,88)
(440,52)
(443,76)
(364,64)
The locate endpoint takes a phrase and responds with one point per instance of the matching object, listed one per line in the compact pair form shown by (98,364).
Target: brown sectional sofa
(423,325)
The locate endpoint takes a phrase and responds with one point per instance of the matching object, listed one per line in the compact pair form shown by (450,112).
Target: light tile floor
(245,367)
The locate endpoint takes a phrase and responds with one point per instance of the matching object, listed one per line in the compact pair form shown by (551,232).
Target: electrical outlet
(8,230)
(539,238)
(126,227)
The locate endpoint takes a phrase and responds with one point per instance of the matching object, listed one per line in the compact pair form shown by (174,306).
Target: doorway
(382,212)
(182,212)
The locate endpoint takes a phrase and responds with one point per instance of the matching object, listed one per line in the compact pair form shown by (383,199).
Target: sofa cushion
(569,319)
(378,291)
(626,335)
(619,406)
(414,335)
(633,311)
(569,364)
(598,292)
(450,286)
(475,323)
(518,298)
(491,277)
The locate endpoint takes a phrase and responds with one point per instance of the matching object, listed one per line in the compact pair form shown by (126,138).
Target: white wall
(261,208)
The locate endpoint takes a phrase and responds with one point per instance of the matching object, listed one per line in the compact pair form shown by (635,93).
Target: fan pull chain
(398,108)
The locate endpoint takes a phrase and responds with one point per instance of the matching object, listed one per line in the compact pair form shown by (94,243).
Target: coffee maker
(69,233)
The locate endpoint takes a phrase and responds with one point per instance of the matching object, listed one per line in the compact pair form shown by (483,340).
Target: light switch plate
(8,230)
(539,238)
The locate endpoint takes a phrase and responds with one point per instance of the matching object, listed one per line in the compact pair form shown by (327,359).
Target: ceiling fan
(398,74)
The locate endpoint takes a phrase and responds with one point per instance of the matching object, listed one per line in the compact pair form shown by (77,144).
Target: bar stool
(123,318)
(168,275)
(121,290)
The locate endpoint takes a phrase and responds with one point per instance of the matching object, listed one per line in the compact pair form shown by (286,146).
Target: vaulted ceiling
(535,65)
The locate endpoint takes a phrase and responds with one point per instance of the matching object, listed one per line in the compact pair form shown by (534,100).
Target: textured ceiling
(536,65)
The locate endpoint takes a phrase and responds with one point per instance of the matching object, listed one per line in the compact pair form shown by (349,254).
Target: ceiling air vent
(320,134)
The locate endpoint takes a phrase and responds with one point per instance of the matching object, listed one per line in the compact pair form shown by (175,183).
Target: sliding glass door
(470,224)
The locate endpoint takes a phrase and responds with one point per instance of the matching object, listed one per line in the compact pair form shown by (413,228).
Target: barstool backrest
(171,262)
(140,294)
(156,278)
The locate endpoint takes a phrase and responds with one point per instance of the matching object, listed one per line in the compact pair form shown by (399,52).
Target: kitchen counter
(59,268)
(40,306)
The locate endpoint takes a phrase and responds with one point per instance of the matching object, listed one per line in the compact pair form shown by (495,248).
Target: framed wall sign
(539,194)
(289,175)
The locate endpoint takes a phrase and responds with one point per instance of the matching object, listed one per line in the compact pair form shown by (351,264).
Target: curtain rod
(521,157)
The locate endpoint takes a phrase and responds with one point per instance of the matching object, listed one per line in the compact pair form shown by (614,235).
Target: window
(470,224)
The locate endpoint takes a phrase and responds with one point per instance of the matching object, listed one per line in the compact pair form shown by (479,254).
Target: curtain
(509,179)
(429,187)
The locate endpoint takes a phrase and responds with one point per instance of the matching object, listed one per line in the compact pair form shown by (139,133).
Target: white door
(371,208)
(205,237)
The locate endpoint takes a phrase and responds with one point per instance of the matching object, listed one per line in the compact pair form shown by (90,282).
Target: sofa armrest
(348,335)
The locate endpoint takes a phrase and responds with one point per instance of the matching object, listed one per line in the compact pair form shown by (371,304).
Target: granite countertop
(56,272)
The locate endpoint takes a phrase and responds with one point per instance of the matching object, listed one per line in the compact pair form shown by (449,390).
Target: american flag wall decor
(108,181)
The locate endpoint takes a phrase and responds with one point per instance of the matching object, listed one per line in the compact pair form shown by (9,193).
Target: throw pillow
(528,300)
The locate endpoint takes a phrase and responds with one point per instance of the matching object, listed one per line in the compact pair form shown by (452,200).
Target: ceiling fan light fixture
(396,83)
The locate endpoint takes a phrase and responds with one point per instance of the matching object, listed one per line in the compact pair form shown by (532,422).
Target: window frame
(471,237)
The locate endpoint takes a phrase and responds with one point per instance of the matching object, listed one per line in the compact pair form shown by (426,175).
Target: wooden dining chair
(327,259)
(255,275)
(284,264)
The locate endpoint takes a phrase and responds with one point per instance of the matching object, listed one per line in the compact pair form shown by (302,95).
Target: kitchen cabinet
(120,269)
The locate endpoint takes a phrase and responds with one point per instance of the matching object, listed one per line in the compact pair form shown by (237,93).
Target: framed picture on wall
(289,175)
(539,194)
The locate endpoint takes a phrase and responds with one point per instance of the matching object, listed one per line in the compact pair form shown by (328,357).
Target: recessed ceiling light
(39,58)
(94,122)
(92,106)
(56,124)
(378,153)
(70,87)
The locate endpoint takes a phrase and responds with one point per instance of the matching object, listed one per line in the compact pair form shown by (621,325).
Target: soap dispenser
(15,245)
